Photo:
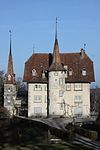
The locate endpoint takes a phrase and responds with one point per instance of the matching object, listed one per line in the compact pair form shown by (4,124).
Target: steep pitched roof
(56,63)
(10,76)
(74,61)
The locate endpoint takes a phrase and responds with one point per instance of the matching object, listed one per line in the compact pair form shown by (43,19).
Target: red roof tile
(74,61)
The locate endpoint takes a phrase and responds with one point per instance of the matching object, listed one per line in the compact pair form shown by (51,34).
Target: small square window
(37,87)
(37,110)
(37,98)
(56,73)
(78,86)
(61,93)
(78,98)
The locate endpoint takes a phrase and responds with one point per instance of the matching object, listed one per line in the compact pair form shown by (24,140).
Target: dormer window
(66,67)
(70,72)
(84,72)
(9,77)
(33,72)
(43,74)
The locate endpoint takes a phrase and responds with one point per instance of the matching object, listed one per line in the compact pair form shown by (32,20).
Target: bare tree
(95,100)
(22,94)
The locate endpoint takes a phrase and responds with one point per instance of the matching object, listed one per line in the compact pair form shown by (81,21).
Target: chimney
(82,53)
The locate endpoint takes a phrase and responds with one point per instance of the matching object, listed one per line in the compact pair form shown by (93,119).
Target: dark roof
(74,61)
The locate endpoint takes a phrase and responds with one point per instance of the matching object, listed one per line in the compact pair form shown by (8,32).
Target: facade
(10,89)
(59,83)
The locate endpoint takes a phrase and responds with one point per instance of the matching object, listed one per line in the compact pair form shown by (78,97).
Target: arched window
(9,77)
(33,72)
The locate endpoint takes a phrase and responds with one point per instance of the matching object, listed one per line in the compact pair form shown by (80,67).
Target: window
(78,98)
(78,86)
(68,87)
(37,87)
(37,110)
(33,72)
(9,77)
(37,98)
(61,106)
(9,101)
(66,67)
(61,93)
(56,73)
(61,81)
(78,111)
(9,89)
(70,72)
(83,72)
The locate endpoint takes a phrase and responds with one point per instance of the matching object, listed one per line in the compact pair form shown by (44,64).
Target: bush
(4,113)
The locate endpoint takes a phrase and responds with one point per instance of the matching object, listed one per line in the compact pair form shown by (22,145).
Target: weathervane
(84,46)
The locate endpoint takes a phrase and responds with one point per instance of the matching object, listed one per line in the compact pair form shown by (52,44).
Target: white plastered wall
(32,105)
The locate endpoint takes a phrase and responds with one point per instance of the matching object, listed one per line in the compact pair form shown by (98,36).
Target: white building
(59,84)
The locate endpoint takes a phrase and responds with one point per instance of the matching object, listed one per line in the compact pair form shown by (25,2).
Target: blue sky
(32,23)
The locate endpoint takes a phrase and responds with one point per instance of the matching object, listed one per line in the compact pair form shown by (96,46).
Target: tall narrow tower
(10,89)
(57,75)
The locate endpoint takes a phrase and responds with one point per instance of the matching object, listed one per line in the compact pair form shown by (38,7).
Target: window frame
(68,88)
(78,99)
(70,72)
(61,93)
(33,72)
(84,73)
(37,87)
(37,99)
(78,87)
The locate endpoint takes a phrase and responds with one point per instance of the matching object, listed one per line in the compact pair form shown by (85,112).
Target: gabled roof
(74,61)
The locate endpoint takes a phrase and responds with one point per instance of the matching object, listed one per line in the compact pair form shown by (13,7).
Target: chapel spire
(56,63)
(10,76)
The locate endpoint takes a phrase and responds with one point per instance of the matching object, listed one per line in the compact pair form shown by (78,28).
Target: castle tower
(57,76)
(10,89)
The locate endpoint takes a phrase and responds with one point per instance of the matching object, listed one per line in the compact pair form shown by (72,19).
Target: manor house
(59,83)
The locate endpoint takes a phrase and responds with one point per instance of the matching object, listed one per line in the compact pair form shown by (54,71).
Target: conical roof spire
(56,63)
(10,76)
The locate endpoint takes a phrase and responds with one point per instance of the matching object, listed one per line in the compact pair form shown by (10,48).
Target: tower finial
(56,29)
(10,40)
(10,34)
